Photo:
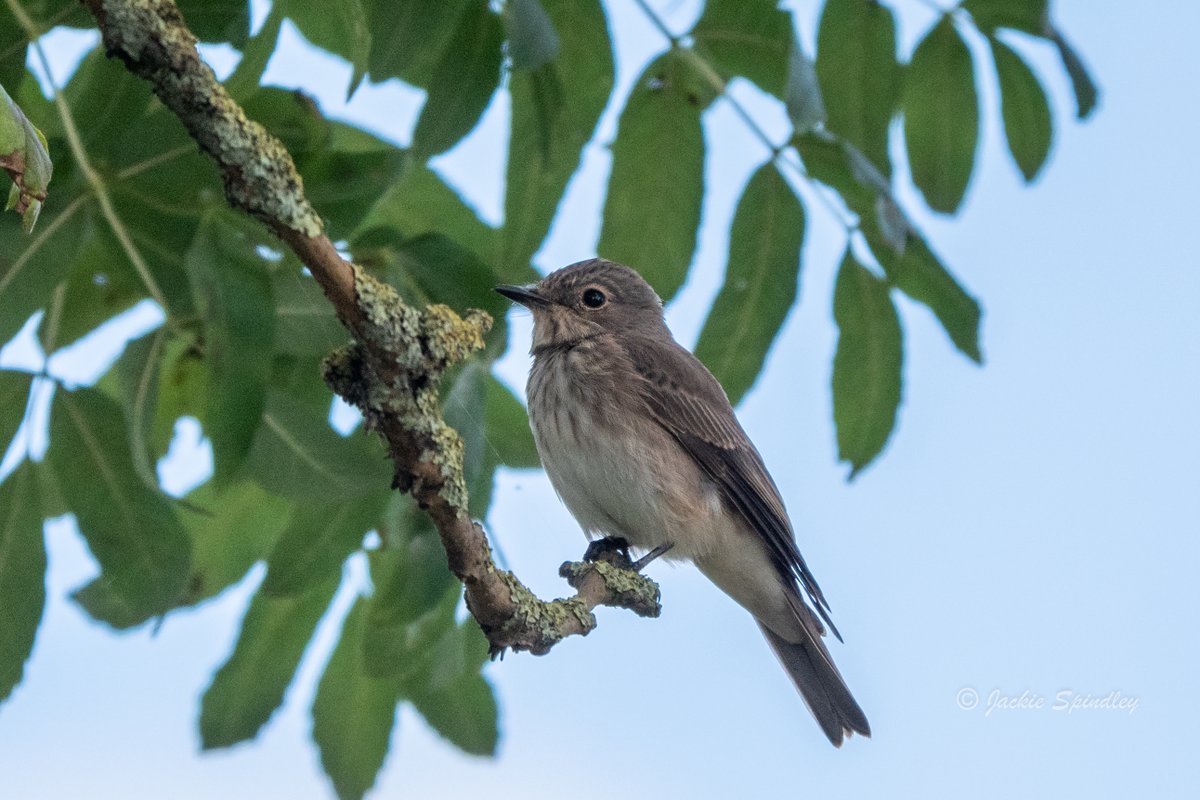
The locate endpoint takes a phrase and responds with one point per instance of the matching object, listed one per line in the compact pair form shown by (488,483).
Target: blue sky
(1032,527)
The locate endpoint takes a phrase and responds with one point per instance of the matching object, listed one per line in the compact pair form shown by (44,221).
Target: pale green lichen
(551,621)
(629,589)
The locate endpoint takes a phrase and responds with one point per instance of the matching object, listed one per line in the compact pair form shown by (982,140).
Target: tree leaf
(859,74)
(1086,93)
(463,711)
(1027,122)
(341,28)
(941,117)
(233,294)
(22,573)
(14,398)
(131,530)
(919,274)
(183,379)
(317,539)
(760,282)
(256,54)
(137,375)
(866,366)
(549,134)
(250,685)
(532,40)
(218,20)
(408,37)
(1030,16)
(353,714)
(754,40)
(802,97)
(463,82)
(305,323)
(652,211)
(25,156)
(508,429)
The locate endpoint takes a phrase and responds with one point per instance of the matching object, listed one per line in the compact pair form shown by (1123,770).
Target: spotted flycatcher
(640,442)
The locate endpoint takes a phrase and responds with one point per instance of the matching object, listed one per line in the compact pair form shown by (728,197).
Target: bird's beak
(525,295)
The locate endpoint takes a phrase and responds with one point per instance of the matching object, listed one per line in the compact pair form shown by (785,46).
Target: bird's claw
(613,549)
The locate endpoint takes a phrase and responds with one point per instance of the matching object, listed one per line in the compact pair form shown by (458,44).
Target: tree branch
(393,367)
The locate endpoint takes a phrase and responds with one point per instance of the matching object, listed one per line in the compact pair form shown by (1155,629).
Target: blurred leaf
(249,686)
(866,366)
(920,275)
(753,40)
(859,74)
(22,573)
(233,294)
(130,529)
(183,379)
(464,713)
(256,53)
(231,529)
(508,430)
(318,537)
(941,117)
(408,37)
(802,97)
(1030,16)
(24,155)
(1086,93)
(305,323)
(548,133)
(760,282)
(464,410)
(341,28)
(137,375)
(1027,121)
(463,82)
(218,20)
(652,211)
(532,40)
(353,714)
(14,397)
(296,454)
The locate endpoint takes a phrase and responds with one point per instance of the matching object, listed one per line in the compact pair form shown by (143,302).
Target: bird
(641,444)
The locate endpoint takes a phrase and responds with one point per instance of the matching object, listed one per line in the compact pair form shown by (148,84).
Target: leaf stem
(85,166)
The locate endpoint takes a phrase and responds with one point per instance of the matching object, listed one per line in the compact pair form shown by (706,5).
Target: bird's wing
(686,400)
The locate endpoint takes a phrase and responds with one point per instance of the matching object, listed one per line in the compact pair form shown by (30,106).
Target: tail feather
(821,685)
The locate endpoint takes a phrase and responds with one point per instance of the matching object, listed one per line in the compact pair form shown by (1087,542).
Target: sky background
(1032,526)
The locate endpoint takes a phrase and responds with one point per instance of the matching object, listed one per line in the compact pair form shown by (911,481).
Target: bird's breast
(618,471)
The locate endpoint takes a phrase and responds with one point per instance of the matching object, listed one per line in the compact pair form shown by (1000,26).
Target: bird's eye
(593,298)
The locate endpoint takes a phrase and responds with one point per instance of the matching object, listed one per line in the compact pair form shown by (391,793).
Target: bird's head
(587,299)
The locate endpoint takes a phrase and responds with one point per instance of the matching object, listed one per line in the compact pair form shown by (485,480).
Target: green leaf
(802,97)
(317,539)
(548,133)
(532,40)
(305,324)
(1027,121)
(25,156)
(22,573)
(508,428)
(250,685)
(460,704)
(231,529)
(341,28)
(941,117)
(132,530)
(652,211)
(1086,93)
(218,20)
(1030,16)
(760,282)
(256,53)
(233,293)
(463,82)
(919,274)
(463,407)
(183,379)
(859,74)
(754,40)
(137,375)
(866,366)
(408,37)
(14,397)
(296,454)
(353,714)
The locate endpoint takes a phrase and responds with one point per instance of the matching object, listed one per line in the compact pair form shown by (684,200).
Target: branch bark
(392,368)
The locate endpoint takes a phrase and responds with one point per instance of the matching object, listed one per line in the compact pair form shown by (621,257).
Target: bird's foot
(644,561)
(613,549)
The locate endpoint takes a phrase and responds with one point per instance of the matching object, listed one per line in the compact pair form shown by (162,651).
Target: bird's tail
(821,686)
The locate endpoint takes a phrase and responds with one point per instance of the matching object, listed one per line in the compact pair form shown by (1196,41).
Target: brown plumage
(640,442)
